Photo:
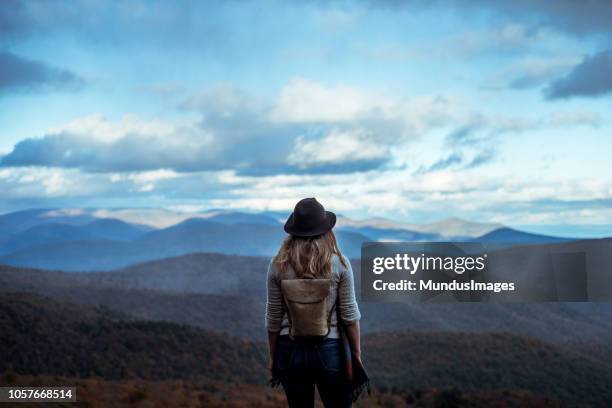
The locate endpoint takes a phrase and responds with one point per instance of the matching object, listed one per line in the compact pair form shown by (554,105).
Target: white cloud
(337,147)
(102,129)
(307,101)
(41,182)
(466,193)
(63,212)
(132,143)
(145,180)
(224,100)
(304,101)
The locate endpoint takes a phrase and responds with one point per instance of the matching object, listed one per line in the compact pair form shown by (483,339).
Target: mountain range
(88,239)
(188,289)
(132,308)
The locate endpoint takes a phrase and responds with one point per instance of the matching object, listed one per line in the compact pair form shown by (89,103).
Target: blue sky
(411,110)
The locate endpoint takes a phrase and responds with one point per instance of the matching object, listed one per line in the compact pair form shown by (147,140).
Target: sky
(411,110)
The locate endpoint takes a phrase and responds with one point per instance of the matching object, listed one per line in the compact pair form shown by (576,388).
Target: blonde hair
(309,255)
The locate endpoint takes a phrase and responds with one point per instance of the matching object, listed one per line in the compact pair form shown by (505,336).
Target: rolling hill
(187,289)
(487,361)
(41,336)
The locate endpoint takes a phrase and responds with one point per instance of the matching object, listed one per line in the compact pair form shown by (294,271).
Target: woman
(311,250)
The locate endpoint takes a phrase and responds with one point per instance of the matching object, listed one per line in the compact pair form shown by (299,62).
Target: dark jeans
(300,365)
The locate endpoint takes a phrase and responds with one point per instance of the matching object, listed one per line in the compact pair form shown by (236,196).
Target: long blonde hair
(309,255)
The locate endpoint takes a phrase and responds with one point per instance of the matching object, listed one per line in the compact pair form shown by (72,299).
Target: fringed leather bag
(356,375)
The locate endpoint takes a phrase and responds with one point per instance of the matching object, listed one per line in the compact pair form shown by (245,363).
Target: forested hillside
(41,336)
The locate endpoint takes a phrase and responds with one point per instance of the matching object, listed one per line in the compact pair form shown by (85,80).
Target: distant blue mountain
(55,233)
(22,220)
(203,235)
(277,215)
(86,255)
(6,229)
(78,240)
(43,234)
(110,228)
(193,235)
(512,236)
(236,217)
(386,234)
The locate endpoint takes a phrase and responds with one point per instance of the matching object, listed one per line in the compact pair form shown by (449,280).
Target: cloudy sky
(411,110)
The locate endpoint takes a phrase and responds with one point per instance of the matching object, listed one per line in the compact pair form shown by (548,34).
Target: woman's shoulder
(274,270)
(340,267)
(272,266)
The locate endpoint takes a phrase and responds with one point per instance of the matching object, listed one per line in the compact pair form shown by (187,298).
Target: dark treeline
(41,336)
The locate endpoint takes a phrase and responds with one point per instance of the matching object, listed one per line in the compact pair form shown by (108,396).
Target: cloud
(213,30)
(460,160)
(339,147)
(591,78)
(465,135)
(508,198)
(24,75)
(574,17)
(308,102)
(574,118)
(233,125)
(291,135)
(41,182)
(507,38)
(146,180)
(36,186)
(125,21)
(97,144)
(530,73)
(14,20)
(224,100)
(445,163)
(480,130)
(483,157)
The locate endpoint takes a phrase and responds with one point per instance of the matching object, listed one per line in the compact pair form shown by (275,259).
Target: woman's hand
(352,332)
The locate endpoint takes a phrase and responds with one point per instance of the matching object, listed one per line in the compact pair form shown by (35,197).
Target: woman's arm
(272,340)
(349,310)
(352,333)
(274,312)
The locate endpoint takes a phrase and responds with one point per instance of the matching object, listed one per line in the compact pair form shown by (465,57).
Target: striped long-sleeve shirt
(342,291)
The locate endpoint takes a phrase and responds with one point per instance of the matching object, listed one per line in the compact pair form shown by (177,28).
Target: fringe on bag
(275,382)
(356,391)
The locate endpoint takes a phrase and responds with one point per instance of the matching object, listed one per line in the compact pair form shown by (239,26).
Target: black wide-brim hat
(309,219)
